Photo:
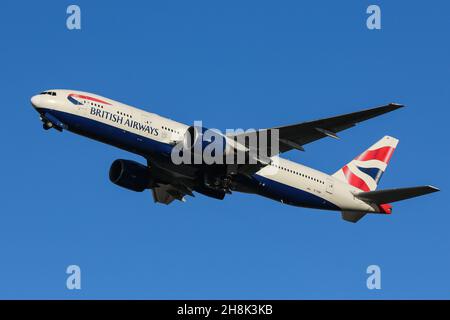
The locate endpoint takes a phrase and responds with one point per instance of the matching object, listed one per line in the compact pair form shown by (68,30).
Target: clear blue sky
(231,64)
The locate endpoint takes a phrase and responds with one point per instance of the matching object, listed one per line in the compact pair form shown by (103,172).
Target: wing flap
(167,193)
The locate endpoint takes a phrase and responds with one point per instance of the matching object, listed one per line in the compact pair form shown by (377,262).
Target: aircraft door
(330,186)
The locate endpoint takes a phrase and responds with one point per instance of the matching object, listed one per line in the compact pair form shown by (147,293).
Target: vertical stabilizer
(365,171)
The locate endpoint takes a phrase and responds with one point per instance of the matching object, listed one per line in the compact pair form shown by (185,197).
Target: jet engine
(130,175)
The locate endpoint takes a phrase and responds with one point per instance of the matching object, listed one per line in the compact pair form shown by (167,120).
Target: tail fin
(365,171)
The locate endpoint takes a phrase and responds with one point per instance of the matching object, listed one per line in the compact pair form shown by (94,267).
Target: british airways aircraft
(351,190)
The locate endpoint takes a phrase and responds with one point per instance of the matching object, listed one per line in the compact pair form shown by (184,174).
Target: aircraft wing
(297,135)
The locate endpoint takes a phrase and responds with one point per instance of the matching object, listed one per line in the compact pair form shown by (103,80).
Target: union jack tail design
(365,171)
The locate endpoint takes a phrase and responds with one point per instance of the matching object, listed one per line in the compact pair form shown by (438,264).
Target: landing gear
(226,183)
(219,183)
(47,125)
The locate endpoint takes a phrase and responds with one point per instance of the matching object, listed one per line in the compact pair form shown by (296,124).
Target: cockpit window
(52,93)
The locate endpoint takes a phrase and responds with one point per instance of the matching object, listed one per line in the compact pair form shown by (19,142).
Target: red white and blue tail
(365,171)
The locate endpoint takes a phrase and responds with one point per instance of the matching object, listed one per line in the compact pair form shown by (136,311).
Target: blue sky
(231,64)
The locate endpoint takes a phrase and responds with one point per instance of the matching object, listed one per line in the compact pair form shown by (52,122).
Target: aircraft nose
(36,101)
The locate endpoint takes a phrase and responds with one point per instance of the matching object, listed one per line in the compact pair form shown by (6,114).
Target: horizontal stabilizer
(352,216)
(392,195)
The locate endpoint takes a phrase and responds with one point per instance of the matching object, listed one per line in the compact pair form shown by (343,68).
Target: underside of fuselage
(292,196)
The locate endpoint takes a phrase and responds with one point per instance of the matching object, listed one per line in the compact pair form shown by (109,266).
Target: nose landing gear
(48,124)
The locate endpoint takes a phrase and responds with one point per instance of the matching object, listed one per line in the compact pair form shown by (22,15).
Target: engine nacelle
(130,175)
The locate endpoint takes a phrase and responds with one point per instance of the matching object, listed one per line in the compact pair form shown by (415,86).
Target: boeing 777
(352,190)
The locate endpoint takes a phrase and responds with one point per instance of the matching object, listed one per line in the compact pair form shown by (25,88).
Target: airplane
(352,189)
